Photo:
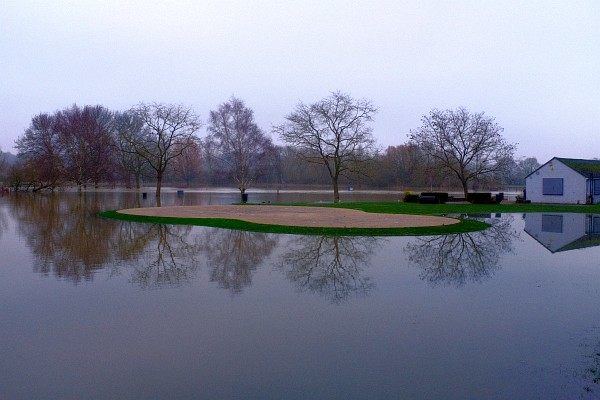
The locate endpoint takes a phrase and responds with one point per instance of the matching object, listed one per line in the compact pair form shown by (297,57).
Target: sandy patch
(296,216)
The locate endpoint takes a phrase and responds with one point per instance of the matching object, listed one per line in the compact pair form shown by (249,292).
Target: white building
(565,181)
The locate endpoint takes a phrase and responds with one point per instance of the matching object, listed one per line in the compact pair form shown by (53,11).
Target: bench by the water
(485,198)
(433,198)
(427,200)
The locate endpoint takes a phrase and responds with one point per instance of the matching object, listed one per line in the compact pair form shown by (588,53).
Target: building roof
(587,168)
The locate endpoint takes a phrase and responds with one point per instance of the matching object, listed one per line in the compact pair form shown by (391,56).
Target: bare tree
(128,130)
(75,144)
(521,168)
(86,143)
(332,132)
(3,166)
(39,154)
(293,169)
(467,145)
(242,149)
(188,167)
(168,130)
(402,165)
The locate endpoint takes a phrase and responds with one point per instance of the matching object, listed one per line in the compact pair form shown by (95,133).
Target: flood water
(102,309)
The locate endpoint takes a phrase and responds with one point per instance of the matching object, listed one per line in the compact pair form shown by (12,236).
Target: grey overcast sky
(533,65)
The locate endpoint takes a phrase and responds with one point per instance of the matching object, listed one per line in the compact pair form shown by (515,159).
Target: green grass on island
(465,224)
(462,208)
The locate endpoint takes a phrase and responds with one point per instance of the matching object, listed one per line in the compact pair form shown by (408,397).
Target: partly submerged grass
(443,209)
(465,225)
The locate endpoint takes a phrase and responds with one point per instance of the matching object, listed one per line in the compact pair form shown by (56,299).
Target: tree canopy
(467,145)
(333,132)
(242,150)
(168,130)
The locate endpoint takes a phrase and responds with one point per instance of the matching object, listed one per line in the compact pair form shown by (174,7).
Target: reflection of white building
(562,231)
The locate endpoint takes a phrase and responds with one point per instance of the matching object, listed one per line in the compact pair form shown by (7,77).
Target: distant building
(565,181)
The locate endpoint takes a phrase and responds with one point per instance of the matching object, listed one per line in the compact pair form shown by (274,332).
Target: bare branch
(333,130)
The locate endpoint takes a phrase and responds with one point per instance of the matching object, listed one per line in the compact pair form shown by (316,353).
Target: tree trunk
(158,187)
(242,192)
(465,187)
(336,191)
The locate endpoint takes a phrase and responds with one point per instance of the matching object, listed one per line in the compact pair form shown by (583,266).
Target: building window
(596,187)
(552,186)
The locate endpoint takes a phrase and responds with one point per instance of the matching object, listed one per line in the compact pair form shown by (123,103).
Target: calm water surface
(102,309)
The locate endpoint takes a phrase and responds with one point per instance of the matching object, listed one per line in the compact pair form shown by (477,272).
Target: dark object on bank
(433,198)
(522,200)
(485,198)
(410,198)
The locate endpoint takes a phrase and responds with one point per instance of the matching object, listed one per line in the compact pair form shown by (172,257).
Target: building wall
(574,184)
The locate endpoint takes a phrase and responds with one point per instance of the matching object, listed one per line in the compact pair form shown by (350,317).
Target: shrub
(410,197)
(479,198)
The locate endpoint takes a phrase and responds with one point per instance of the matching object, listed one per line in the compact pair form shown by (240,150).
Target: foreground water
(103,309)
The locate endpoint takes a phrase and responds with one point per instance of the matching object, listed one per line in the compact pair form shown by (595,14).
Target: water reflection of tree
(167,257)
(466,257)
(232,256)
(63,234)
(3,221)
(330,265)
(69,241)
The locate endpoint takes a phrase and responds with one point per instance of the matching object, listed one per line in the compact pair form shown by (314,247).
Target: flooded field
(104,309)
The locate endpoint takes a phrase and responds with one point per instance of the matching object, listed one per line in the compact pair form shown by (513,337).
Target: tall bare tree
(168,130)
(467,145)
(39,153)
(333,132)
(188,167)
(74,144)
(521,168)
(86,143)
(128,130)
(3,167)
(401,166)
(242,149)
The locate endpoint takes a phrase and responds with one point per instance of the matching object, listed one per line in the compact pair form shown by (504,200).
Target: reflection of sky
(515,335)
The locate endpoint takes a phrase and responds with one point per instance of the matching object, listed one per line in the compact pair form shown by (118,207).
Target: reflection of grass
(391,208)
(594,371)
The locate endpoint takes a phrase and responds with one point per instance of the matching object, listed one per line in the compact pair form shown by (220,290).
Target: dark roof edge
(565,161)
